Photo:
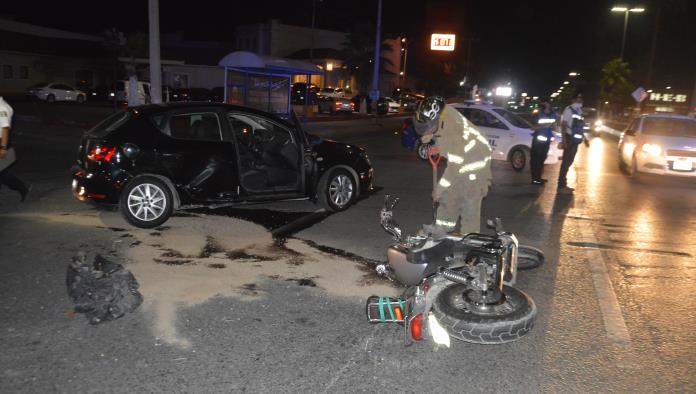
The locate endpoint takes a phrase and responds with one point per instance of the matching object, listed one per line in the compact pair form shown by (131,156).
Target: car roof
(472,104)
(151,109)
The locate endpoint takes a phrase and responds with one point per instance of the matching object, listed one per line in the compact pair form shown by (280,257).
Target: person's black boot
(24,192)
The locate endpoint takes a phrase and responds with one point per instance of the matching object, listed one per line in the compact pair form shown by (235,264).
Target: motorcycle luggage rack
(385,309)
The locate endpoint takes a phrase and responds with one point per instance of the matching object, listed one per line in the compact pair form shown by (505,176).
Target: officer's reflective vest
(546,122)
(577,125)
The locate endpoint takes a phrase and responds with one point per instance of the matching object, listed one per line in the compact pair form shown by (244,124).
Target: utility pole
(374,94)
(403,77)
(311,47)
(653,48)
(155,61)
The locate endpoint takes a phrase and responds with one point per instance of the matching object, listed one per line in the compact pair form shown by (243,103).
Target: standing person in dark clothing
(541,140)
(572,133)
(7,153)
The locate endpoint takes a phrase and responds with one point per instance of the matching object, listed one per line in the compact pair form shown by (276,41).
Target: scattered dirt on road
(215,253)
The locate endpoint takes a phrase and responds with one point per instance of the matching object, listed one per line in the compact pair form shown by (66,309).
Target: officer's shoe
(544,180)
(537,182)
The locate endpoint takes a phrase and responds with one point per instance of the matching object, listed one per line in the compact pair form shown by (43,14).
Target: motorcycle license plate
(683,165)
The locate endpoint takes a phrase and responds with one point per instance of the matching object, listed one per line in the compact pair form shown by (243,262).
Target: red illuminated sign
(442,42)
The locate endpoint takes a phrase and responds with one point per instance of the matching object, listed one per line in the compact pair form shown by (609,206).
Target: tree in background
(359,52)
(615,86)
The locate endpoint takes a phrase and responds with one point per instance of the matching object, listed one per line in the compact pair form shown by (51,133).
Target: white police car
(509,135)
(659,144)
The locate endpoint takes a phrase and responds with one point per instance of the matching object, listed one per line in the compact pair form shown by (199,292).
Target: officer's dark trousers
(568,157)
(8,179)
(539,152)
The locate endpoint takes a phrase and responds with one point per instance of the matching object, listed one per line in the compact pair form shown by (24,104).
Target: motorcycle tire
(506,322)
(529,257)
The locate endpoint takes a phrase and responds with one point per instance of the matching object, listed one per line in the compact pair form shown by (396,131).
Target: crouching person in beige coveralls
(467,177)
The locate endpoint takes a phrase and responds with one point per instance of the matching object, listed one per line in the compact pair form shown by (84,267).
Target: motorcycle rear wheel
(503,323)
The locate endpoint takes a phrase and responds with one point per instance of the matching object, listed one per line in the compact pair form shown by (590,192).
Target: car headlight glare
(599,122)
(652,149)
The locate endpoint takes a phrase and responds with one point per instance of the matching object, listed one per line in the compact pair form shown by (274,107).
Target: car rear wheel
(51,98)
(337,190)
(519,158)
(80,99)
(146,202)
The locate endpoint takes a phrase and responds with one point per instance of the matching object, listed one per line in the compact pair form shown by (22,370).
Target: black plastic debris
(103,290)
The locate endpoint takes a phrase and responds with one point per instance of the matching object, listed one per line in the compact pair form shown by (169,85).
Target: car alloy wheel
(51,98)
(337,190)
(80,99)
(341,190)
(147,202)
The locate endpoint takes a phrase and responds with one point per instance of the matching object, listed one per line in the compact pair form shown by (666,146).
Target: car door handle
(172,155)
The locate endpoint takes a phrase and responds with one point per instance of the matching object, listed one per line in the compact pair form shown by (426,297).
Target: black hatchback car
(154,159)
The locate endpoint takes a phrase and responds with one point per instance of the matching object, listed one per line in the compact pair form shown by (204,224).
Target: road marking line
(614,323)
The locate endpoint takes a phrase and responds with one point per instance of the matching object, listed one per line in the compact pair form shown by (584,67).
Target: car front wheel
(146,202)
(80,99)
(337,190)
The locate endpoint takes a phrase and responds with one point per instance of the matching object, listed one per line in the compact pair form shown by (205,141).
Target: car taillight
(101,153)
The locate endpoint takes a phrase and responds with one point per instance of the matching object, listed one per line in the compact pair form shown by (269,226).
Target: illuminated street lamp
(566,82)
(626,11)
(573,74)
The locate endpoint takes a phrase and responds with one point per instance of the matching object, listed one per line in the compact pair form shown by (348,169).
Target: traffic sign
(639,94)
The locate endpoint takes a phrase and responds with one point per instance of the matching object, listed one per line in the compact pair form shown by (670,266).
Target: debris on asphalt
(103,290)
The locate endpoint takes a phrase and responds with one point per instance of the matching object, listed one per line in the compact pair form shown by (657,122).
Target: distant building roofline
(48,32)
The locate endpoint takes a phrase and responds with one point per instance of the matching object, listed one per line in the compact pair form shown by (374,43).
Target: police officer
(467,177)
(7,153)
(572,123)
(541,140)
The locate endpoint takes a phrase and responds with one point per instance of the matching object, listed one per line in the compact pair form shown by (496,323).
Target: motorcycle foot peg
(385,309)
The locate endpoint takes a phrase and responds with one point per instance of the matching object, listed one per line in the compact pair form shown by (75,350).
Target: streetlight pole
(403,76)
(374,94)
(625,10)
(155,61)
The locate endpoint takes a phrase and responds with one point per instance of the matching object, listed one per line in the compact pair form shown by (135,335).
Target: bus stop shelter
(264,82)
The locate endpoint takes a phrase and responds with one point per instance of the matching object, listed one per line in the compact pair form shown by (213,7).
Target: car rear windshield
(106,126)
(513,119)
(670,127)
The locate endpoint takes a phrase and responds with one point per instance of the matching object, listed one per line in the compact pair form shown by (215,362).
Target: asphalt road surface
(228,309)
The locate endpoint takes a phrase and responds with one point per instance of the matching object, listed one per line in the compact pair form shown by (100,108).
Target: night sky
(533,44)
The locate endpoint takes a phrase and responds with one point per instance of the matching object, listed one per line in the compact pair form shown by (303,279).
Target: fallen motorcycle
(457,286)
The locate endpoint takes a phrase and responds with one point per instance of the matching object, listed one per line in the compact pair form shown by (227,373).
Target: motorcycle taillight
(417,328)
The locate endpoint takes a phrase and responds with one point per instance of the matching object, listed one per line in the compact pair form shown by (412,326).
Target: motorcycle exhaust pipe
(454,276)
